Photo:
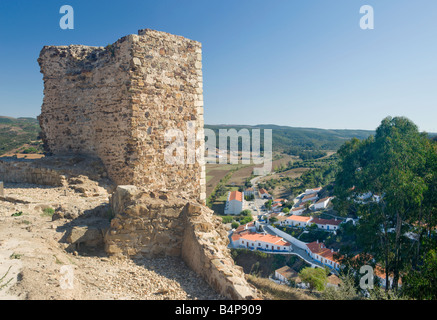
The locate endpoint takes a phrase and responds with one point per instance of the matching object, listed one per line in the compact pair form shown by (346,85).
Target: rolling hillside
(20,134)
(294,140)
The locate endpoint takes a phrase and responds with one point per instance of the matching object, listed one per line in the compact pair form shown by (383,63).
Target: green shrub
(48,212)
(245,212)
(227,219)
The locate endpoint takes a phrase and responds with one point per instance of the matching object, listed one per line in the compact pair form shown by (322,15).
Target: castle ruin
(115,103)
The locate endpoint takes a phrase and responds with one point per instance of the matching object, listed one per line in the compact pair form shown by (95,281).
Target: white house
(285,273)
(319,252)
(259,241)
(298,221)
(264,194)
(379,272)
(277,207)
(298,210)
(322,203)
(312,191)
(327,224)
(249,227)
(234,203)
(309,197)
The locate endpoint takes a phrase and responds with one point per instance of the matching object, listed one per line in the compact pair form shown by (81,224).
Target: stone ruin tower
(116,103)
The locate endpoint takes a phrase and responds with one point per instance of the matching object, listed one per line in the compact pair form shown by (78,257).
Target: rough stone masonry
(116,103)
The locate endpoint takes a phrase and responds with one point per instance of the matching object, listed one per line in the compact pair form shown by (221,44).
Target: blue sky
(286,62)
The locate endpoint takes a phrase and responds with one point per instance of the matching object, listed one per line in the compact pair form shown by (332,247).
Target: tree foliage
(398,166)
(315,277)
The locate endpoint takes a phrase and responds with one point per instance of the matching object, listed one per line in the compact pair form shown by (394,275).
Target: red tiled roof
(323,200)
(299,218)
(297,209)
(286,272)
(315,247)
(310,196)
(321,250)
(235,237)
(279,200)
(332,222)
(380,273)
(236,195)
(263,191)
(265,238)
(244,227)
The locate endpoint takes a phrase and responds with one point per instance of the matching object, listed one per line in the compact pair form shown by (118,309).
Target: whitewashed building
(264,194)
(234,203)
(259,241)
(284,274)
(327,224)
(322,203)
(298,221)
(298,210)
(318,251)
(313,191)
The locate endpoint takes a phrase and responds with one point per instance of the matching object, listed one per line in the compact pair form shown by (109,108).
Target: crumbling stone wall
(117,102)
(51,171)
(15,171)
(158,223)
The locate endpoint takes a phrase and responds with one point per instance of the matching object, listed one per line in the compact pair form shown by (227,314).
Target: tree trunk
(397,252)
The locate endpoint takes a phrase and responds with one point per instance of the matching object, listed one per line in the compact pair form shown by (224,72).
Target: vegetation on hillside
(307,142)
(399,164)
(322,173)
(15,133)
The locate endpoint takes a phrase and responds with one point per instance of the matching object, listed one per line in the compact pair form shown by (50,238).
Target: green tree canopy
(315,277)
(393,165)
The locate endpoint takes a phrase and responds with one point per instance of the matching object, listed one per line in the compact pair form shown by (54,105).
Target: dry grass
(273,291)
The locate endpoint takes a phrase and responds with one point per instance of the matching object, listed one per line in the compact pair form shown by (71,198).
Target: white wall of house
(257,244)
(287,237)
(293,223)
(323,260)
(328,227)
(298,212)
(321,205)
(249,193)
(234,207)
(280,277)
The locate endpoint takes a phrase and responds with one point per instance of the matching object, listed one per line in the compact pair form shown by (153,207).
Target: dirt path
(40,267)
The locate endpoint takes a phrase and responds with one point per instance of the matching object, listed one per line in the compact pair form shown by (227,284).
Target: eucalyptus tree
(383,181)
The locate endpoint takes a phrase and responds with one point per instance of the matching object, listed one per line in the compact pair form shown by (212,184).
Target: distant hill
(294,140)
(19,133)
